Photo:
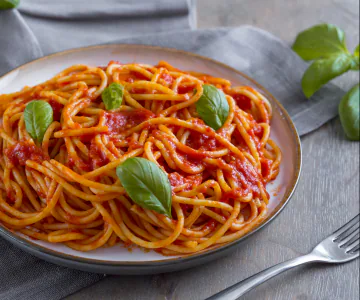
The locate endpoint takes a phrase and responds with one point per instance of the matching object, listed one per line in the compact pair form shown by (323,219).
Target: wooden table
(327,195)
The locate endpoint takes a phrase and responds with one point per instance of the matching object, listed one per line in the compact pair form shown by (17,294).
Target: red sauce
(186,207)
(97,157)
(139,75)
(23,151)
(209,225)
(57,108)
(138,91)
(265,167)
(242,101)
(120,121)
(133,144)
(182,89)
(246,176)
(191,181)
(201,141)
(258,130)
(167,77)
(235,193)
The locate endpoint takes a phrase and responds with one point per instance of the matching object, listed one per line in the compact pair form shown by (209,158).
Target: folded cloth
(40,27)
(253,51)
(37,28)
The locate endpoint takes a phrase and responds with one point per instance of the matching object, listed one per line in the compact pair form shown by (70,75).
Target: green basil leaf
(356,57)
(320,41)
(146,184)
(323,70)
(356,51)
(213,107)
(38,117)
(349,113)
(8,4)
(112,96)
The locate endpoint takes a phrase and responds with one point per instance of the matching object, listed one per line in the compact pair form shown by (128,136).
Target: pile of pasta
(65,189)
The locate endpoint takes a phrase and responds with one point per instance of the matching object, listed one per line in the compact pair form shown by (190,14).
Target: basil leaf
(356,51)
(146,184)
(349,113)
(112,96)
(8,4)
(356,56)
(320,41)
(213,107)
(323,70)
(38,117)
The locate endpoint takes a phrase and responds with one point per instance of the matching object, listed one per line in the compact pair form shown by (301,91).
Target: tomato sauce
(167,78)
(265,167)
(191,181)
(209,225)
(184,89)
(23,151)
(245,176)
(202,141)
(242,101)
(120,121)
(97,157)
(57,109)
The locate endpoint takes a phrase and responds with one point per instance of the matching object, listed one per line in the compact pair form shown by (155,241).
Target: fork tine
(353,239)
(349,237)
(347,226)
(354,250)
(352,246)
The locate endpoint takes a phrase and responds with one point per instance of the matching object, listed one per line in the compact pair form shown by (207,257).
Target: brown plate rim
(35,248)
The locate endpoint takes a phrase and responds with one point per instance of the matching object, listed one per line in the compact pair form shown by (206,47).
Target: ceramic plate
(117,259)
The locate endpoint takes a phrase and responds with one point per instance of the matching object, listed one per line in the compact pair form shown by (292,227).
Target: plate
(118,259)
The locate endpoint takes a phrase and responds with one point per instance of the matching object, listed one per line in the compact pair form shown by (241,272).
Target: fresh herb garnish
(112,96)
(146,184)
(38,117)
(8,4)
(349,113)
(325,44)
(212,107)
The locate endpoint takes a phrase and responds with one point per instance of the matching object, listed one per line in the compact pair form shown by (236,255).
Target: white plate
(118,259)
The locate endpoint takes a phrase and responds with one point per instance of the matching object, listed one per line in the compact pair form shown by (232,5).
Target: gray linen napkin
(255,52)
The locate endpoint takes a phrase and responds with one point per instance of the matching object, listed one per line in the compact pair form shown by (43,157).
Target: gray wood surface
(327,195)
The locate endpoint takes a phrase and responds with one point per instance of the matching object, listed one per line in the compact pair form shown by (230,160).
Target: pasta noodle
(64,189)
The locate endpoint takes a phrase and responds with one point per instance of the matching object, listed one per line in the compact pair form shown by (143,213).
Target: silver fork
(340,247)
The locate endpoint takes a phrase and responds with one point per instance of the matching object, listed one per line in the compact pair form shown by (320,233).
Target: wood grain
(327,195)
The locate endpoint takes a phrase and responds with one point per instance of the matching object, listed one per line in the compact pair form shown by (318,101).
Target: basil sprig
(146,184)
(38,117)
(322,71)
(212,107)
(324,43)
(349,113)
(8,4)
(356,51)
(112,96)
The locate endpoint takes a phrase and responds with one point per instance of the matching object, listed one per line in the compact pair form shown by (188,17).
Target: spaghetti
(64,189)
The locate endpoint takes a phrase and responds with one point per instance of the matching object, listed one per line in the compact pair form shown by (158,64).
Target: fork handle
(238,289)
